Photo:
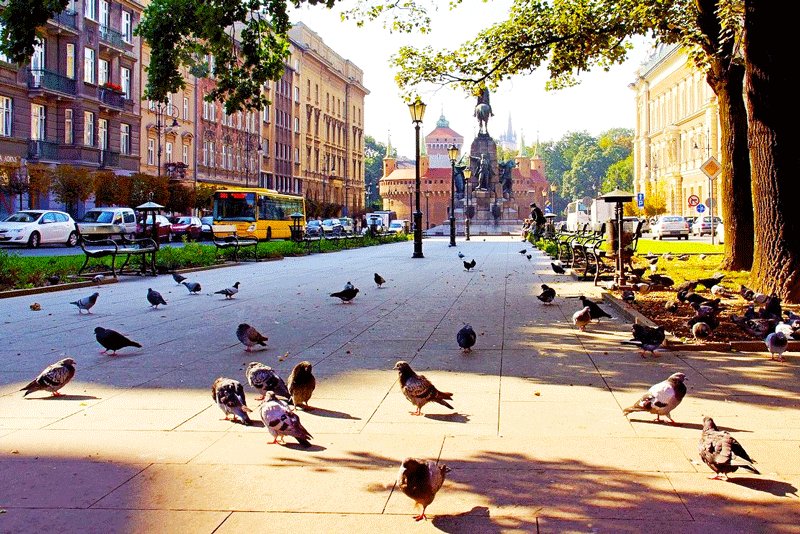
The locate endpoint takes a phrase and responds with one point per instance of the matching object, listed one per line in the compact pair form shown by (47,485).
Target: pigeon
(628,296)
(642,288)
(777,343)
(683,257)
(98,278)
(772,308)
(711,281)
(193,287)
(229,292)
(702,256)
(155,298)
(469,264)
(661,398)
(671,306)
(421,480)
(582,317)
(529,256)
(346,295)
(282,421)
(466,338)
(746,292)
(523,251)
(53,279)
(418,390)
(53,378)
(264,378)
(688,285)
(653,260)
(668,256)
(661,280)
(647,338)
(756,327)
(690,297)
(112,340)
(229,396)
(709,319)
(719,291)
(547,295)
(86,303)
(379,280)
(558,269)
(722,452)
(349,286)
(179,278)
(638,272)
(701,330)
(250,337)
(301,384)
(596,311)
(460,255)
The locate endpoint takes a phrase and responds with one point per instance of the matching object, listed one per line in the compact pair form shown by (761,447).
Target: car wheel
(34,240)
(72,240)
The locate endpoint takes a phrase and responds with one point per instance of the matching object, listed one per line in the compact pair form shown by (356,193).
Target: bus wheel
(269,233)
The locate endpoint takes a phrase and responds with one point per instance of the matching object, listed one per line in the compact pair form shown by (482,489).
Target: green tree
(72,185)
(147,188)
(619,175)
(106,191)
(204,197)
(12,181)
(181,197)
(374,152)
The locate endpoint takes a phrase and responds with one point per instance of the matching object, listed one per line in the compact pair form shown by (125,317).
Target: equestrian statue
(483,110)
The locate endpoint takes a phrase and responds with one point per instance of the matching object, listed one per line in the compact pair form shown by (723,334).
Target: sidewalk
(536,442)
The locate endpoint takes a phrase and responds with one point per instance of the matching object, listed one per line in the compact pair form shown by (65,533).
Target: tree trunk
(770,54)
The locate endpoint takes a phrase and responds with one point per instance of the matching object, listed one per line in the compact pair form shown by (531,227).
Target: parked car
(104,222)
(691,221)
(398,226)
(332,227)
(187,226)
(313,228)
(348,226)
(670,226)
(205,227)
(702,225)
(164,228)
(36,227)
(374,220)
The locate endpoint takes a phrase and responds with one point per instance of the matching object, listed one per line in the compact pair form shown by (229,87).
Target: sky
(602,100)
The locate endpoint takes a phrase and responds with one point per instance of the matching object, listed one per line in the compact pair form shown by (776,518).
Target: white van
(577,215)
(107,222)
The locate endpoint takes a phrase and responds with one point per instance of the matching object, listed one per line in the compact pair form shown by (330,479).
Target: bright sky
(602,100)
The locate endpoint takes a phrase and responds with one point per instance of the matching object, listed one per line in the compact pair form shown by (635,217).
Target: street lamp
(163,111)
(468,210)
(417,110)
(553,188)
(452,153)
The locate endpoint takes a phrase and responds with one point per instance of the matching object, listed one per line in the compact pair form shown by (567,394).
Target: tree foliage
(181,197)
(71,185)
(147,188)
(20,19)
(106,190)
(204,197)
(374,152)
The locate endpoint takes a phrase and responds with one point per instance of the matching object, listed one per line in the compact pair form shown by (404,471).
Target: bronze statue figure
(505,177)
(484,172)
(483,110)
(460,180)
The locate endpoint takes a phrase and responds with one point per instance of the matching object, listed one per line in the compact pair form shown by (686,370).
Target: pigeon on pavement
(250,337)
(349,286)
(282,421)
(701,330)
(155,298)
(346,295)
(683,257)
(596,311)
(660,280)
(547,295)
(688,285)
(647,338)
(264,378)
(558,269)
(661,398)
(419,390)
(466,338)
(229,396)
(529,256)
(229,292)
(722,452)
(111,340)
(98,278)
(301,384)
(523,251)
(53,378)
(421,480)
(469,264)
(379,280)
(86,303)
(777,343)
(460,255)
(179,278)
(582,317)
(719,291)
(193,287)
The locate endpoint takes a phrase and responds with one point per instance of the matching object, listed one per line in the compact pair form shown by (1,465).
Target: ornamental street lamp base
(452,232)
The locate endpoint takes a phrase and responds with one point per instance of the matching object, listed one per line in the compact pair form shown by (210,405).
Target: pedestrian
(538,220)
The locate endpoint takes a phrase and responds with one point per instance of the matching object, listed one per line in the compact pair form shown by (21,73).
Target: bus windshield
(235,206)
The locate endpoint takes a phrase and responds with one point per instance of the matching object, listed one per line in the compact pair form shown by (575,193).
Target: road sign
(700,208)
(711,203)
(547,209)
(693,200)
(711,167)
(640,199)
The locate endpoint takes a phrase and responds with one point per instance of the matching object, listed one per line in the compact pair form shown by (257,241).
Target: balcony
(112,37)
(43,150)
(49,81)
(111,98)
(109,158)
(66,19)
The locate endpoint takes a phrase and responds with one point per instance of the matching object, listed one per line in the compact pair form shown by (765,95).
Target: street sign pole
(711,168)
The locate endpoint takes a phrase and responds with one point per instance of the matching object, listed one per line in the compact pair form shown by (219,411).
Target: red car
(188,226)
(164,228)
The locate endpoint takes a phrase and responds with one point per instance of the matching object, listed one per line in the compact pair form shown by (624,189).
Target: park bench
(225,237)
(145,249)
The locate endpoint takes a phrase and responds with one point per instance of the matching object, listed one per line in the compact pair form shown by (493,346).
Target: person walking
(538,219)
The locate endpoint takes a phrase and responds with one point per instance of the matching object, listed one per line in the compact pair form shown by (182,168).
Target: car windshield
(22,217)
(672,219)
(184,220)
(395,224)
(95,216)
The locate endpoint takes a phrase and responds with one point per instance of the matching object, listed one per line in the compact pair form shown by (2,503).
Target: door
(37,63)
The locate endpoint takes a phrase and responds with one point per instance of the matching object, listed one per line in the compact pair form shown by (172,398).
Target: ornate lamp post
(452,153)
(163,111)
(468,210)
(553,188)
(417,110)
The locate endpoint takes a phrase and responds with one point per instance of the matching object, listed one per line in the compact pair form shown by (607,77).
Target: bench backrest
(222,230)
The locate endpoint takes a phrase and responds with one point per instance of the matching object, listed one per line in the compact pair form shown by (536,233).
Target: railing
(51,81)
(39,149)
(109,158)
(112,37)
(67,18)
(111,98)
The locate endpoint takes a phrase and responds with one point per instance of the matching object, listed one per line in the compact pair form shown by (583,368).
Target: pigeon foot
(420,517)
(262,397)
(57,394)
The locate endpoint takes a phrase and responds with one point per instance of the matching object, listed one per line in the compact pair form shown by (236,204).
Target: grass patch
(676,246)
(694,268)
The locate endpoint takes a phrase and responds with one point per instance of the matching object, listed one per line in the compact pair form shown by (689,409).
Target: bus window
(235,206)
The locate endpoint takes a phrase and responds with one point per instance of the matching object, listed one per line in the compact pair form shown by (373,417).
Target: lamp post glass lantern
(417,110)
(452,153)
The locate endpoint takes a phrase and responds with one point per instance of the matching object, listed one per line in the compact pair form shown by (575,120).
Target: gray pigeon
(547,295)
(596,311)
(629,296)
(53,378)
(229,396)
(460,255)
(155,298)
(229,292)
(701,330)
(661,398)
(111,340)
(86,303)
(193,287)
(582,317)
(647,338)
(421,480)
(346,295)
(466,338)
(264,378)
(722,452)
(349,286)
(419,390)
(250,337)
(179,278)
(558,269)
(777,343)
(282,421)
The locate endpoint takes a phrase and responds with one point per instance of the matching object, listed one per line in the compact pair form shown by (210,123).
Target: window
(104,19)
(88,128)
(90,9)
(297,156)
(70,61)
(169,151)
(38,131)
(124,138)
(185,108)
(297,124)
(205,109)
(224,154)
(230,157)
(185,157)
(127,32)
(296,94)
(102,134)
(102,72)
(205,153)
(151,151)
(125,79)
(170,110)
(68,131)
(212,156)
(88,65)
(5,116)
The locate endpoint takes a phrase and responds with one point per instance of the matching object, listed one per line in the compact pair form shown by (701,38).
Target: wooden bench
(144,248)
(224,237)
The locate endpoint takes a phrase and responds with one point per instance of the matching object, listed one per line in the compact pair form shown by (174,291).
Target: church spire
(389,145)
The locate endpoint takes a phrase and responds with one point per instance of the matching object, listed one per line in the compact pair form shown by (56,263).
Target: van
(107,222)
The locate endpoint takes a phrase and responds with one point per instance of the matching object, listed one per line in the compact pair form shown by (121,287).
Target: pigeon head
(252,365)
(677,377)
(403,368)
(708,423)
(99,330)
(303,367)
(67,361)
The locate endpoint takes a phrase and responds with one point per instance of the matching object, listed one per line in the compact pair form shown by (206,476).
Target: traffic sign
(547,209)
(711,167)
(640,199)
(700,208)
(711,203)
(693,200)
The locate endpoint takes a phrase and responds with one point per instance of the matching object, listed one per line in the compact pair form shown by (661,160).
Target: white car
(35,227)
(670,226)
(397,226)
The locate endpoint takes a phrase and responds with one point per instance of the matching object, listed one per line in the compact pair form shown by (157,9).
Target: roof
(444,131)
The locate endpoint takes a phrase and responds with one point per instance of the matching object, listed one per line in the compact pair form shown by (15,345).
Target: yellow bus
(264,213)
